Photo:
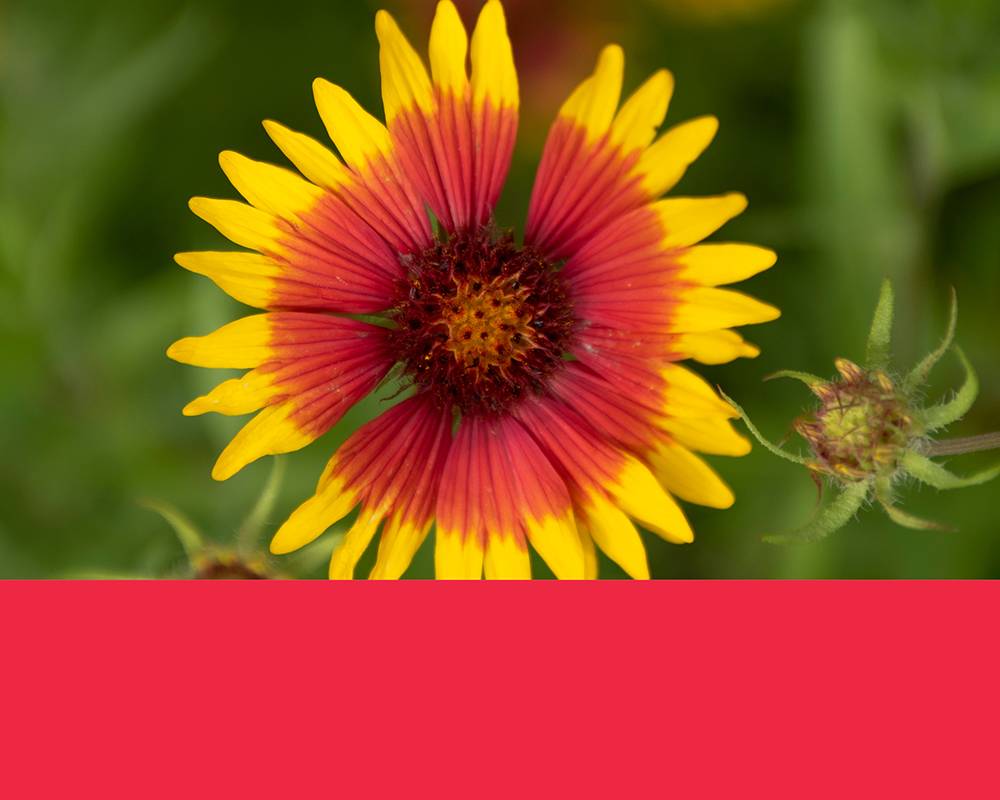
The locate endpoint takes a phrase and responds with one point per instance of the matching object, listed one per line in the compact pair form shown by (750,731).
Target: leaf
(759,437)
(835,516)
(946,413)
(880,334)
(248,536)
(918,375)
(190,537)
(933,474)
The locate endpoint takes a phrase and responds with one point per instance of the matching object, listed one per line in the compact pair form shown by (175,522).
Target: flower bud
(861,426)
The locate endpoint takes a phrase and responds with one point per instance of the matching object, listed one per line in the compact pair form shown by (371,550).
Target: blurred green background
(866,134)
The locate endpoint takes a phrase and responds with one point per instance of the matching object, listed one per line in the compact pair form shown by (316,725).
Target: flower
(240,560)
(545,402)
(869,433)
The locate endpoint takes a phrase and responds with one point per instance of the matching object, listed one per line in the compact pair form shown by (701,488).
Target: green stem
(965,444)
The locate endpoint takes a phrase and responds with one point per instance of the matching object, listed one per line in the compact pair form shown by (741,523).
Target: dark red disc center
(481,321)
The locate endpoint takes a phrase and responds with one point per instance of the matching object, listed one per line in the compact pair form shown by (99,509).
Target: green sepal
(190,537)
(759,437)
(900,517)
(918,375)
(806,377)
(835,516)
(945,414)
(880,335)
(911,521)
(933,474)
(248,536)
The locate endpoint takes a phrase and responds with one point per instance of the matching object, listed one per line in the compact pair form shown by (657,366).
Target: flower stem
(966,444)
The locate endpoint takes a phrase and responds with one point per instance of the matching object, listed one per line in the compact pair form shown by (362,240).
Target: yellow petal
(329,505)
(357,134)
(592,105)
(616,536)
(690,395)
(457,556)
(668,158)
(684,474)
(404,79)
(557,542)
(589,551)
(241,344)
(636,123)
(642,498)
(704,308)
(247,277)
(715,264)
(715,347)
(400,540)
(238,222)
(506,559)
(237,396)
(449,46)
(688,220)
(346,554)
(276,190)
(271,432)
(493,74)
(311,158)
(715,436)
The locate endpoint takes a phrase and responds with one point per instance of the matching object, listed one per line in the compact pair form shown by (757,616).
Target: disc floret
(480,321)
(862,424)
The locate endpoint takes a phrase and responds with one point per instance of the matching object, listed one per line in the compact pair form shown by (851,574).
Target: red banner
(515,690)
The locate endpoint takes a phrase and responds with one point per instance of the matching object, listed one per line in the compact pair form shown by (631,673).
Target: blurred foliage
(867,135)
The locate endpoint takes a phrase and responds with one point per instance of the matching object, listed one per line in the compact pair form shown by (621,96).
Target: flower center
(481,322)
(861,425)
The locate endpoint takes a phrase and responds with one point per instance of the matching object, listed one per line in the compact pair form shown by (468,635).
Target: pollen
(480,321)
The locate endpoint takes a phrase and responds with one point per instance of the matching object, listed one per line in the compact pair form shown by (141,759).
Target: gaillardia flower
(869,432)
(545,404)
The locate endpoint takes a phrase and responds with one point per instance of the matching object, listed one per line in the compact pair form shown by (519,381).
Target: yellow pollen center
(488,325)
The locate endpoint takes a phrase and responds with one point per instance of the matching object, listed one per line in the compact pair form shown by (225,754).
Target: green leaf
(933,474)
(918,375)
(759,437)
(190,537)
(946,413)
(248,536)
(880,334)
(806,377)
(835,516)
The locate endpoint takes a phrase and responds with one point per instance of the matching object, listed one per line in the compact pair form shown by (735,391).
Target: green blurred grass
(867,135)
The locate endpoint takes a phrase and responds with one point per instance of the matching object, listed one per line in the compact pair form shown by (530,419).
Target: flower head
(869,432)
(862,424)
(543,402)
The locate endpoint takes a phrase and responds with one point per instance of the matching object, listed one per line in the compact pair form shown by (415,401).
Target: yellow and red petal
(686,475)
(498,493)
(391,467)
(598,473)
(332,262)
(714,347)
(307,370)
(639,286)
(454,136)
(587,176)
(664,163)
